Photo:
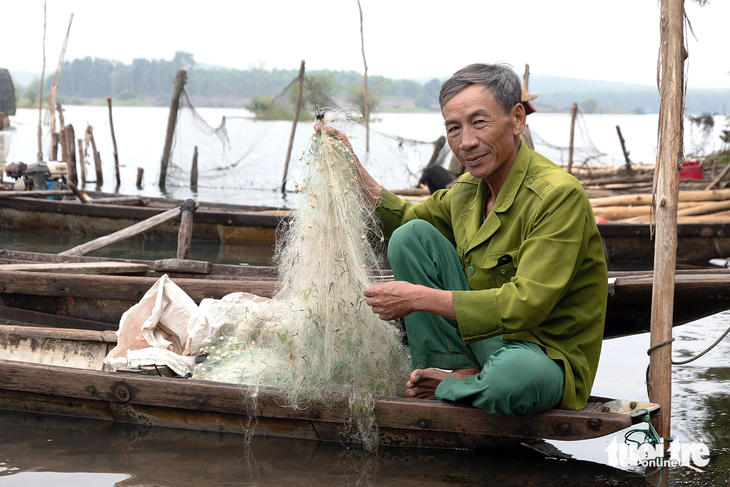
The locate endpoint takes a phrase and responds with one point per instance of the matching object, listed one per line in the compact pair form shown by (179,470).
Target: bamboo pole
(719,178)
(40,97)
(300,89)
(180,80)
(131,231)
(140,175)
(82,163)
(97,157)
(573,113)
(69,152)
(78,193)
(194,171)
(366,94)
(646,199)
(671,131)
(623,148)
(114,142)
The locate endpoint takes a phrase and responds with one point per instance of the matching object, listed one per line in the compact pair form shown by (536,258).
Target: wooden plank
(59,333)
(123,234)
(17,316)
(182,265)
(35,193)
(121,287)
(79,268)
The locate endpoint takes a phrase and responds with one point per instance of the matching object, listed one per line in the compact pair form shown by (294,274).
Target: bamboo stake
(40,98)
(140,175)
(573,113)
(300,89)
(194,171)
(180,80)
(623,148)
(671,131)
(78,193)
(123,234)
(97,157)
(82,163)
(114,142)
(366,94)
(69,154)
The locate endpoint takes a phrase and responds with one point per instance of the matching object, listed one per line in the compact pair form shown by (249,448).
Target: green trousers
(517,378)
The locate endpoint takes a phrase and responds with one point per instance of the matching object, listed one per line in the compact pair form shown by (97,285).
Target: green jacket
(535,265)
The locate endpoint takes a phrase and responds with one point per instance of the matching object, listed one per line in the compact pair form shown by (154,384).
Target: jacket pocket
(503,268)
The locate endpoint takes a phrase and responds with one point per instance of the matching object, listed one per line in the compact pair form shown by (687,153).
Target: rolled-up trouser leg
(517,380)
(420,254)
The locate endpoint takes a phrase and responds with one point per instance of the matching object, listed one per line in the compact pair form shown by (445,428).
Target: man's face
(483,138)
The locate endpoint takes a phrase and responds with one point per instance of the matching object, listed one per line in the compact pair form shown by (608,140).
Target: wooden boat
(108,213)
(60,372)
(624,243)
(72,292)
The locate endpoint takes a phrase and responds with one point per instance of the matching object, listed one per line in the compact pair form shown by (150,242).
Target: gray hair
(500,79)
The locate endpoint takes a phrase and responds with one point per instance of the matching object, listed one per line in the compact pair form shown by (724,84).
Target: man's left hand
(391,300)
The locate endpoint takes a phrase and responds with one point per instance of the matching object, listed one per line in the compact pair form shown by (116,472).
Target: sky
(616,40)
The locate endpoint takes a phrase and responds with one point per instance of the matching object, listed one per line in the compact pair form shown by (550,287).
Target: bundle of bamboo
(711,206)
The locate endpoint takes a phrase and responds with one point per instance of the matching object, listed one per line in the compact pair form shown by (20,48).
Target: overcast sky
(615,40)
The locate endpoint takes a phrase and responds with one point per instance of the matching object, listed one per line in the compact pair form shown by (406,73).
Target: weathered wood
(194,172)
(646,199)
(78,268)
(705,208)
(36,193)
(17,316)
(408,414)
(719,178)
(617,180)
(623,212)
(300,89)
(573,113)
(140,175)
(671,135)
(82,162)
(114,142)
(119,200)
(623,148)
(59,333)
(54,146)
(123,234)
(127,288)
(185,234)
(97,157)
(181,265)
(180,80)
(77,193)
(69,152)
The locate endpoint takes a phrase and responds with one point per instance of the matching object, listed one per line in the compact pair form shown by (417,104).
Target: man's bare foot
(423,382)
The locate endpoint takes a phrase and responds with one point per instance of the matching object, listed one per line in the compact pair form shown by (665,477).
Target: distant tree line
(151,81)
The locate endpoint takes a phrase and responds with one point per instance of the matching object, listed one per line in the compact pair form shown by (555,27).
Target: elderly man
(501,279)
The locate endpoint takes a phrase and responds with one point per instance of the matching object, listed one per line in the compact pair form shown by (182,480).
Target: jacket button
(503,272)
(470,270)
(530,181)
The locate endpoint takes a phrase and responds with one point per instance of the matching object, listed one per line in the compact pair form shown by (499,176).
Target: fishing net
(317,340)
(240,152)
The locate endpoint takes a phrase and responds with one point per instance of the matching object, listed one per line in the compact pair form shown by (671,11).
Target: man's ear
(519,119)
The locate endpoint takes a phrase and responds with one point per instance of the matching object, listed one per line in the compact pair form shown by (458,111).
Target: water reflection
(155,456)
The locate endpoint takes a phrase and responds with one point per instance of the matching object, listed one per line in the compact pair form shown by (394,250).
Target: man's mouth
(471,160)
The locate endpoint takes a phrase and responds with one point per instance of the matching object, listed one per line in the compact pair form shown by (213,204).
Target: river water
(36,450)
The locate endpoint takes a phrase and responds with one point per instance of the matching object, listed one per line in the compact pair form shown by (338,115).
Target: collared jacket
(535,264)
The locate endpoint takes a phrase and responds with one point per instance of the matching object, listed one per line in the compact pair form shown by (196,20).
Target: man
(501,279)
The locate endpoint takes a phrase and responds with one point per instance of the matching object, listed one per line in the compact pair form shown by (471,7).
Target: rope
(692,359)
(651,436)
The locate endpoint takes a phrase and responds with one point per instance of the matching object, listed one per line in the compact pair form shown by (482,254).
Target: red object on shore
(691,170)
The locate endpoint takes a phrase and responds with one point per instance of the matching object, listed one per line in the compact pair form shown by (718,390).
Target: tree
(31,94)
(259,104)
(183,60)
(589,105)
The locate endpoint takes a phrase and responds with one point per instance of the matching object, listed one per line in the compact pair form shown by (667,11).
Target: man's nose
(468,139)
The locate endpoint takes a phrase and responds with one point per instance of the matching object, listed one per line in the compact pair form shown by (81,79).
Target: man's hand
(371,186)
(397,299)
(391,300)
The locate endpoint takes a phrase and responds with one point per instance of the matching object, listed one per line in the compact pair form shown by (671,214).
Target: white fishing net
(317,340)
(237,152)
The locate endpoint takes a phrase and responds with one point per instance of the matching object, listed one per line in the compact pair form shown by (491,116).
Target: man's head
(484,119)
(499,79)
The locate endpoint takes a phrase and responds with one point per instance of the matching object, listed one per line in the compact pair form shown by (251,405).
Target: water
(37,450)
